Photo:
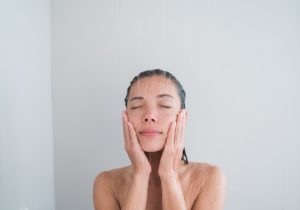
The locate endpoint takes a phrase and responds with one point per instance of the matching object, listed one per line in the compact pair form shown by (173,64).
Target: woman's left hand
(173,149)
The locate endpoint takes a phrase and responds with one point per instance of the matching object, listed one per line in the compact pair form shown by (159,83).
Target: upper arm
(212,196)
(103,195)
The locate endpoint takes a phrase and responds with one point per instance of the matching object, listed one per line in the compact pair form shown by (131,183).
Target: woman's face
(153,103)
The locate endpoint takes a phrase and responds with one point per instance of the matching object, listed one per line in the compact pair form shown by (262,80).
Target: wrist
(171,182)
(170,177)
(141,176)
(141,172)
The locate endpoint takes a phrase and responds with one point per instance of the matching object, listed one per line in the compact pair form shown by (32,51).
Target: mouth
(150,133)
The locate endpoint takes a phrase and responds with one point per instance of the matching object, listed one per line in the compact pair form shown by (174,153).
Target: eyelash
(135,107)
(167,107)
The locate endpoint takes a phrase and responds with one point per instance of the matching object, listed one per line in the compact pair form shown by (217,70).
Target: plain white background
(26,134)
(237,60)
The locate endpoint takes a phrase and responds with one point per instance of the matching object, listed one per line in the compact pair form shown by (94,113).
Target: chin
(152,145)
(152,149)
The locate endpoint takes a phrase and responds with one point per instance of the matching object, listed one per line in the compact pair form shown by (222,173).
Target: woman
(160,176)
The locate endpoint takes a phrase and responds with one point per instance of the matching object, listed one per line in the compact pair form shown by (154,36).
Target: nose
(146,119)
(149,117)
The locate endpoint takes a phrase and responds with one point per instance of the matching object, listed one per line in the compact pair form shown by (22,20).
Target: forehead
(153,86)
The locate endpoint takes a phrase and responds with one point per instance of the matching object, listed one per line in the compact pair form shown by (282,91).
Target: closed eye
(136,107)
(168,107)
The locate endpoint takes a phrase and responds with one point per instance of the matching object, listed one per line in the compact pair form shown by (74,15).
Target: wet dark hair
(167,75)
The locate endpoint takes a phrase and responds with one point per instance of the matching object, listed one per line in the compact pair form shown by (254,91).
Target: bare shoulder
(110,177)
(206,173)
(105,188)
(212,182)
(206,169)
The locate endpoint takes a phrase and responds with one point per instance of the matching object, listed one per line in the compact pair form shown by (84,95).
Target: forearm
(137,195)
(172,195)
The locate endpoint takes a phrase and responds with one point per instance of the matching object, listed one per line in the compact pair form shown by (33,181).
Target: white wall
(238,61)
(26,144)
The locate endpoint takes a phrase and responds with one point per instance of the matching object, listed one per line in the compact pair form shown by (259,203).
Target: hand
(174,145)
(140,163)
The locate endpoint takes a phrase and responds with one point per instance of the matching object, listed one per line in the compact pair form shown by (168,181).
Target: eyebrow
(159,96)
(165,95)
(137,98)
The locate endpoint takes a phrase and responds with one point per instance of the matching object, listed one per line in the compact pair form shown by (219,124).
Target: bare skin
(153,127)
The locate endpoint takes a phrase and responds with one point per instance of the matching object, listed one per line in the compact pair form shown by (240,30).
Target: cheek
(132,119)
(166,120)
(135,119)
(168,116)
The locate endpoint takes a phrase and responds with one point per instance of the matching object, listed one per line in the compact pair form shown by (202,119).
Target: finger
(181,143)
(171,134)
(126,130)
(178,129)
(132,133)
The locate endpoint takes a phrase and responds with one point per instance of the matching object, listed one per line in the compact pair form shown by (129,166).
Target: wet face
(153,103)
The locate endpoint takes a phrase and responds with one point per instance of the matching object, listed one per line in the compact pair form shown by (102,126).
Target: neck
(154,160)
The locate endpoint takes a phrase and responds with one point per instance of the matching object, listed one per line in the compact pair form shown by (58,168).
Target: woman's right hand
(139,161)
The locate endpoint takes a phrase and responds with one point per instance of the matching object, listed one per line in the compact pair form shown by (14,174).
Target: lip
(150,132)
